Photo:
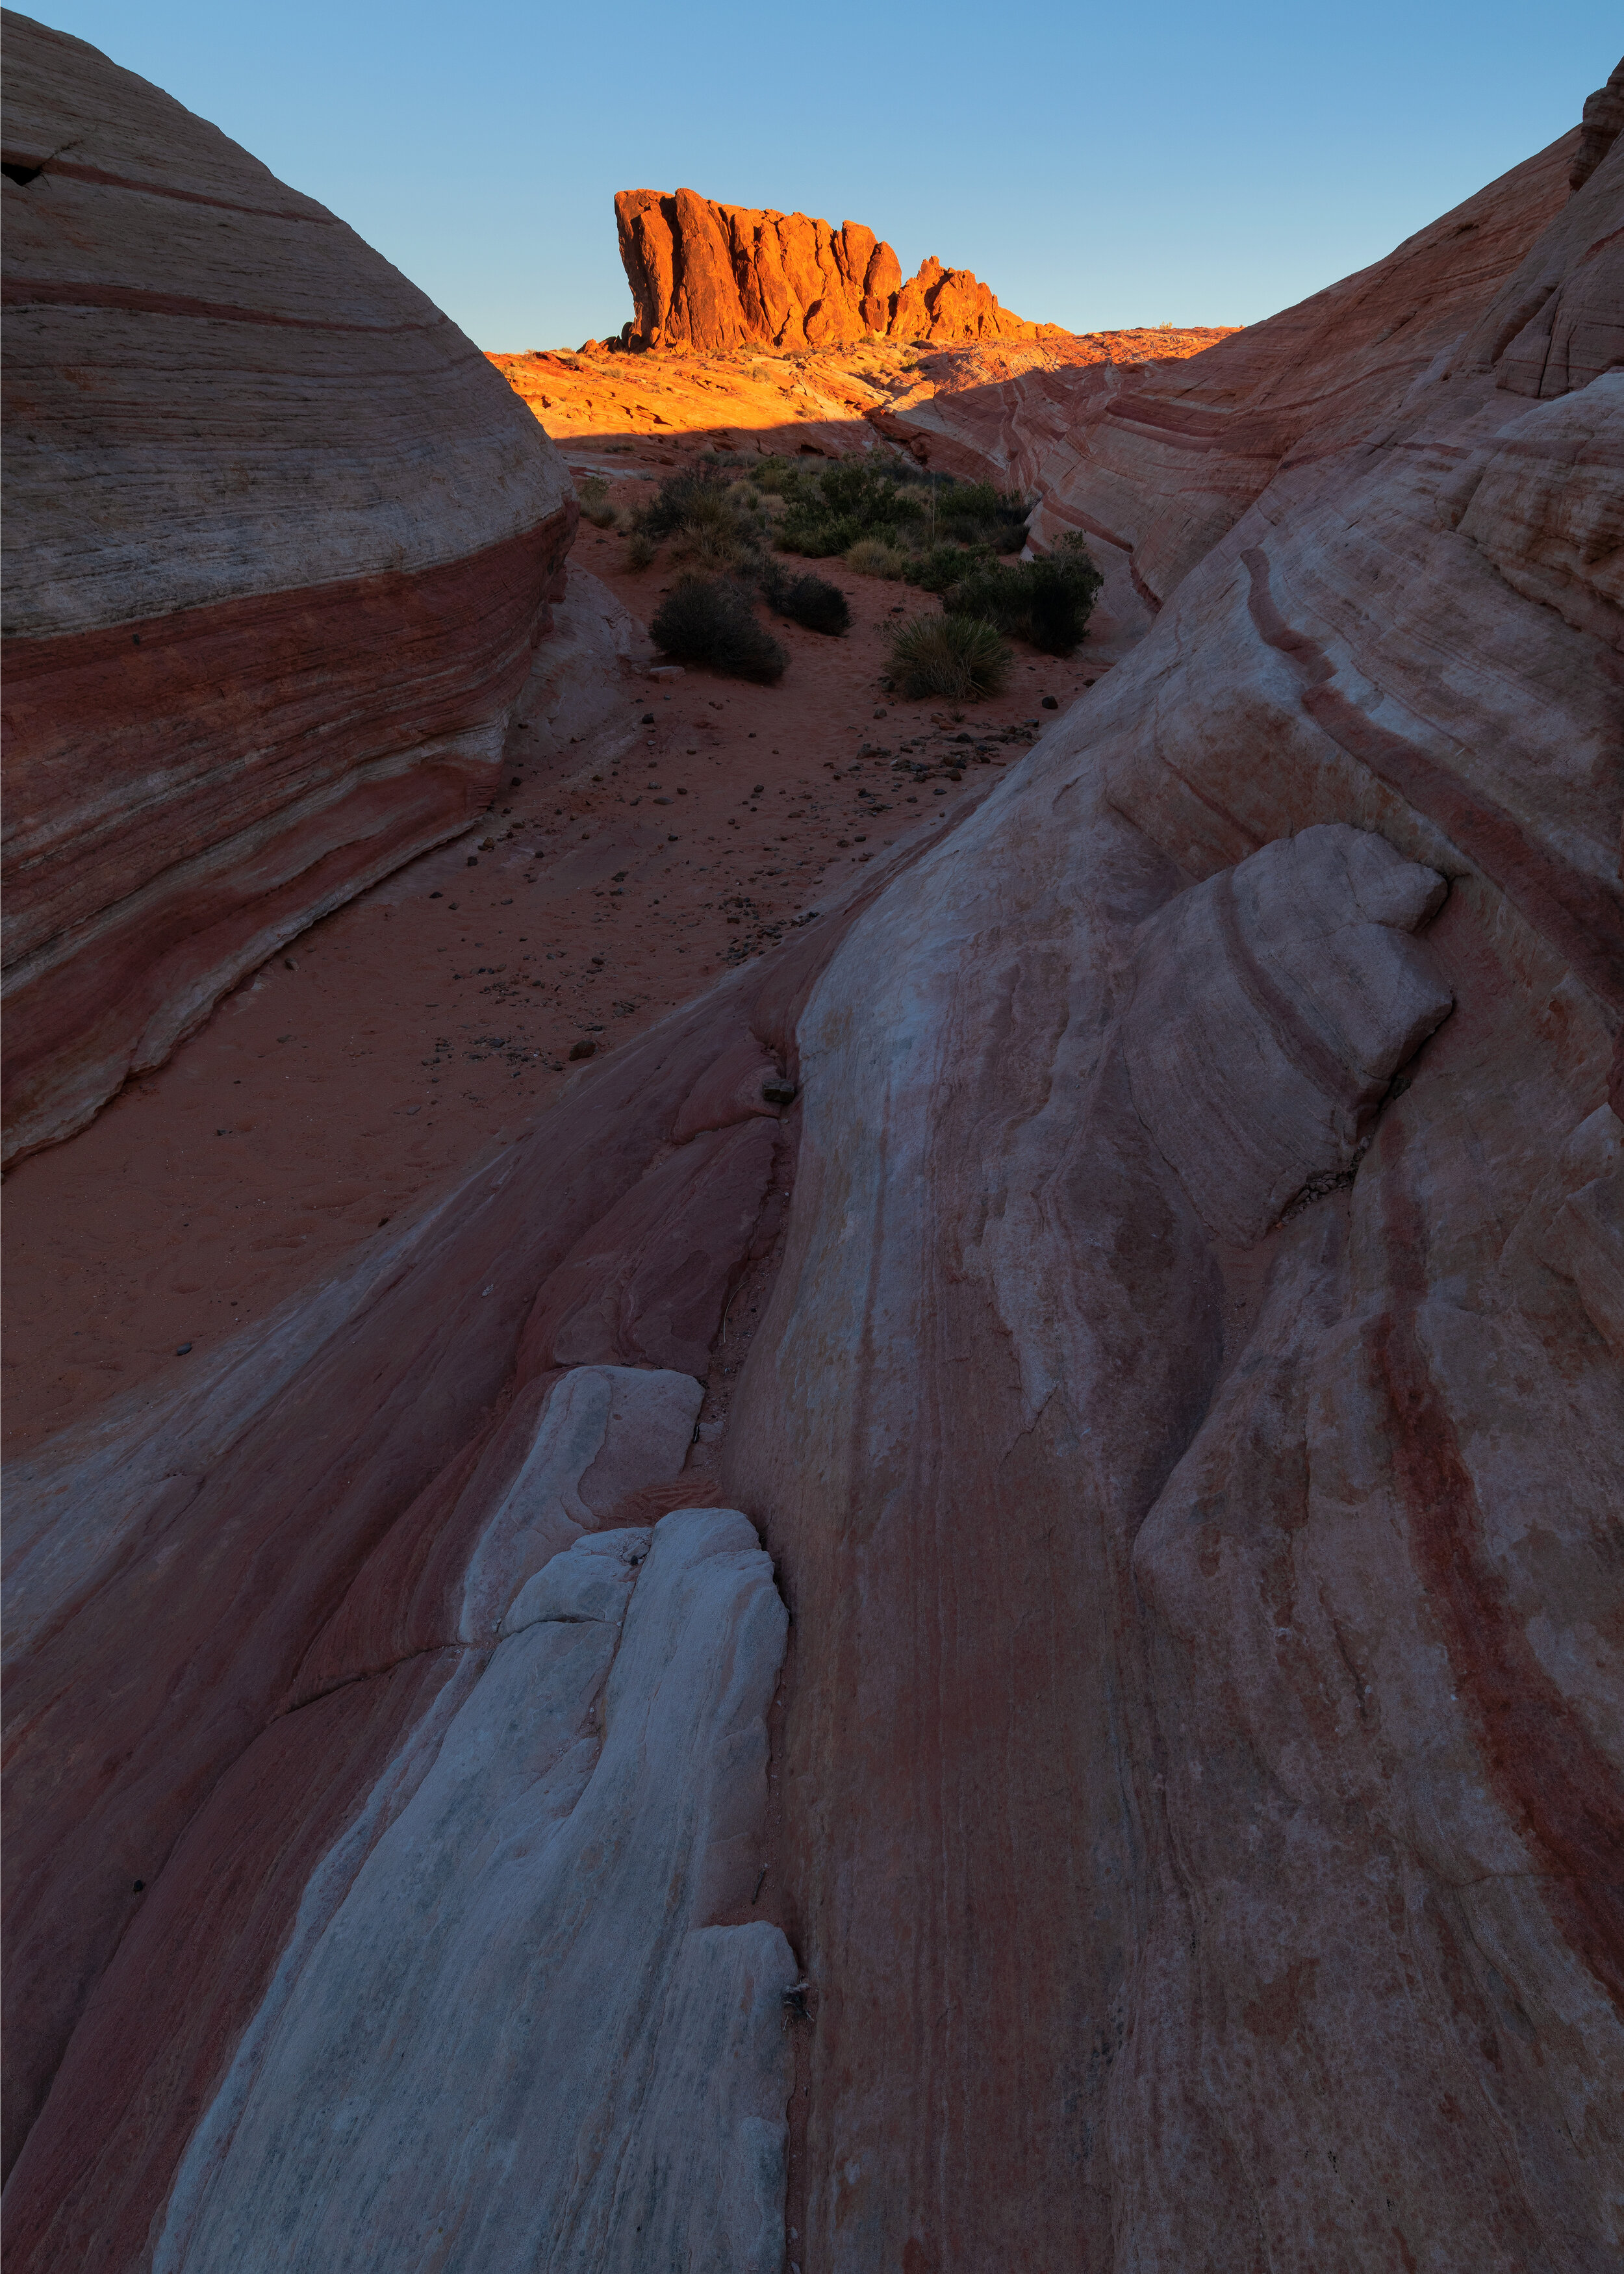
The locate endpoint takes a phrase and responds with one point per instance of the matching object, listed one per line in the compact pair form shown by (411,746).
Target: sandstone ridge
(281,546)
(706,278)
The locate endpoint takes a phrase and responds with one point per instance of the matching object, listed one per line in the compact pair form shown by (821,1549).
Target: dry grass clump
(709,620)
(961,658)
(872,556)
(717,524)
(594,495)
(641,551)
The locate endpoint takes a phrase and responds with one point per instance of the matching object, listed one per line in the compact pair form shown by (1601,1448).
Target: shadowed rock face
(708,277)
(1155,463)
(280,546)
(1186,1425)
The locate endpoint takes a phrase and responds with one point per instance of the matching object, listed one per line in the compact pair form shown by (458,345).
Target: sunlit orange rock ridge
(707,277)
(831,401)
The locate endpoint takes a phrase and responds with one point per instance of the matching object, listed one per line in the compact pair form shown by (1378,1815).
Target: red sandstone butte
(280,545)
(707,277)
(1165,1330)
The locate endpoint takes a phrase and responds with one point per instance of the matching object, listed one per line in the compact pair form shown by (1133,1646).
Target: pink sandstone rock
(707,277)
(1153,463)
(281,546)
(1195,1814)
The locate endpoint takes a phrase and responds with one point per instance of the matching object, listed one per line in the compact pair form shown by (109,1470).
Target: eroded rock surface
(1155,463)
(280,548)
(545,2052)
(1272,1007)
(1184,1414)
(707,277)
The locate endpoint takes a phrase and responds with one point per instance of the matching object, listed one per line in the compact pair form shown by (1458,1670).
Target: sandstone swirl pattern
(280,545)
(1196,1799)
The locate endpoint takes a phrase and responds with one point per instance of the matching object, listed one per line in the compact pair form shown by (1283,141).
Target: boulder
(281,546)
(706,278)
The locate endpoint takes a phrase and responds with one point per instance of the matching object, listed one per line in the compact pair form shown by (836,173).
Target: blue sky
(1099,164)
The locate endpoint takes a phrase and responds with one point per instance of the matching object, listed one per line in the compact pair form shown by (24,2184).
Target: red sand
(411,1035)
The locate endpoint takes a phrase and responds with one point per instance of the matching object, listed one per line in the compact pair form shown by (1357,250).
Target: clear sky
(1099,164)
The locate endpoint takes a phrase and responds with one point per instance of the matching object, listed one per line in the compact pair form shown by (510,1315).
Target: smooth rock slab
(518,2043)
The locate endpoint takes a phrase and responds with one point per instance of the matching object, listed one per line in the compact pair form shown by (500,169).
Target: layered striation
(281,546)
(1185,1422)
(706,278)
(1153,462)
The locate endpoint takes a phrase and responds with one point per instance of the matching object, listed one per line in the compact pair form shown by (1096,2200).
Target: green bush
(960,658)
(834,508)
(817,535)
(709,620)
(977,513)
(939,567)
(1046,601)
(812,601)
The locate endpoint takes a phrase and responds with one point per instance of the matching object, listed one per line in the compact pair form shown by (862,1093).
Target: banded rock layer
(1186,1422)
(707,277)
(280,545)
(1155,463)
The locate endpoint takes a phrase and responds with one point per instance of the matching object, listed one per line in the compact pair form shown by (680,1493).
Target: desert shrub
(713,549)
(711,519)
(939,567)
(832,508)
(642,550)
(703,500)
(960,657)
(818,536)
(1046,601)
(872,556)
(594,495)
(771,474)
(709,620)
(977,513)
(812,601)
(890,497)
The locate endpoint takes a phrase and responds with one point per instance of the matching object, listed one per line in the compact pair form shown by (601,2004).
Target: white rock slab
(604,1431)
(518,2044)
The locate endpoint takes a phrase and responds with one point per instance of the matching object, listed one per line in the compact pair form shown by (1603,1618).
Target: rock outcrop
(1153,463)
(707,277)
(280,545)
(1598,129)
(1184,1419)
